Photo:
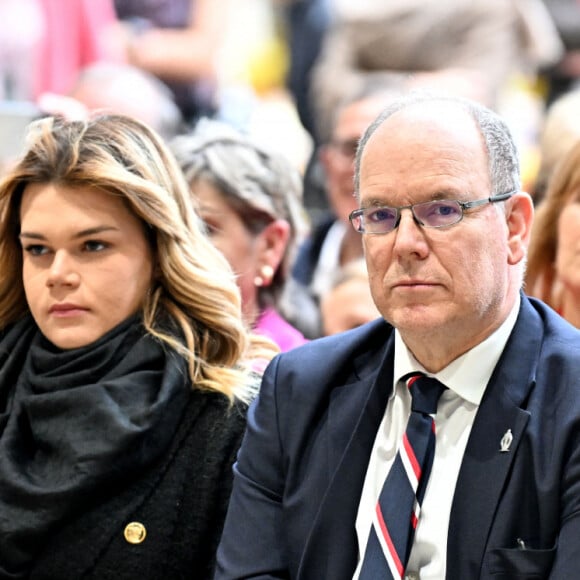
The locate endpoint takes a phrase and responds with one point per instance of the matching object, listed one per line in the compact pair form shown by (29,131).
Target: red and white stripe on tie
(398,508)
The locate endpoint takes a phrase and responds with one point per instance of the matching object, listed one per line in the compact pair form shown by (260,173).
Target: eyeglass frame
(464,205)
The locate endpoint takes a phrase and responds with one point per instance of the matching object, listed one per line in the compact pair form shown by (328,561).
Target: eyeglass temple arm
(502,196)
(492,199)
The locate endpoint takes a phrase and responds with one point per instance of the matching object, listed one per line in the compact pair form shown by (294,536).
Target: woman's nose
(62,271)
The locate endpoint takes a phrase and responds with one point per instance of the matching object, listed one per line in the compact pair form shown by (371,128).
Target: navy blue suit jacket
(301,467)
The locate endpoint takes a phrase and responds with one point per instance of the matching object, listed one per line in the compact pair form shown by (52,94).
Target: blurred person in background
(21,29)
(43,46)
(349,302)
(46,42)
(104,87)
(306,23)
(179,42)
(553,270)
(559,132)
(332,242)
(128,90)
(250,199)
(564,75)
(468,47)
(125,364)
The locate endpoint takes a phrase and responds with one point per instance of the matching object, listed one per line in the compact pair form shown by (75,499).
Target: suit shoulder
(339,354)
(558,332)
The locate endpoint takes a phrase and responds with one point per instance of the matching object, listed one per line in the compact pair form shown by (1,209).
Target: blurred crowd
(263,103)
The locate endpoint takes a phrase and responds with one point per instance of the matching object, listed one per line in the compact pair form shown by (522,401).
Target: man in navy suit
(445,230)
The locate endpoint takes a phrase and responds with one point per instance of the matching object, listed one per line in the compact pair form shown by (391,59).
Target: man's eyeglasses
(438,213)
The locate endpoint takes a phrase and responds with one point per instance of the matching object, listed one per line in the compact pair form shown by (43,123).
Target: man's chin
(416,317)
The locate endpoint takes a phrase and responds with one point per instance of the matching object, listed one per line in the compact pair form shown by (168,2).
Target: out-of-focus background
(267,59)
(302,77)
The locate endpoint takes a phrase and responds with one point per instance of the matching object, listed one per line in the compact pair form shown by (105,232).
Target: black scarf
(77,424)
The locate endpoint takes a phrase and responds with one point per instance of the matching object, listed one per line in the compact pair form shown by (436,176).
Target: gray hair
(260,185)
(502,154)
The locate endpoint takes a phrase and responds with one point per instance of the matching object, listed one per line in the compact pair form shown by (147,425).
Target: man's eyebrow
(437,195)
(81,234)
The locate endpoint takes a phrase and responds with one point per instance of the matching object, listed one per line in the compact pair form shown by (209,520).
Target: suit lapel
(331,548)
(485,466)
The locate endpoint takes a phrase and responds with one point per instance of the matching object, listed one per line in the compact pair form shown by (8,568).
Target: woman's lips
(66,310)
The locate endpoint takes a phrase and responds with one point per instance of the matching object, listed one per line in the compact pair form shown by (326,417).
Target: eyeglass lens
(432,214)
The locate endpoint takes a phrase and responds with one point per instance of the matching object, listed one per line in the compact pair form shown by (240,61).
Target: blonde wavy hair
(563,187)
(194,289)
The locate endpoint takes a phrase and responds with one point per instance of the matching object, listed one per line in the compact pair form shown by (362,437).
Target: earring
(265,277)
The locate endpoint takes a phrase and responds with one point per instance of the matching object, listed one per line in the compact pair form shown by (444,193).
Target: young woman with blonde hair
(125,365)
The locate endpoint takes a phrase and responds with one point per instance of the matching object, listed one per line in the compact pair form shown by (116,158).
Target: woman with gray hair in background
(251,201)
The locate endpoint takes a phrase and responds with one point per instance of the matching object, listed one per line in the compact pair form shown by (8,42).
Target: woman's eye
(211,229)
(36,249)
(94,246)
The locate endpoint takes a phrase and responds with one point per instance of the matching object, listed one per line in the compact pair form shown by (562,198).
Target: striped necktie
(397,511)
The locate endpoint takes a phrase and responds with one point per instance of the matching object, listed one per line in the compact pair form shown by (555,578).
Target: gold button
(135,532)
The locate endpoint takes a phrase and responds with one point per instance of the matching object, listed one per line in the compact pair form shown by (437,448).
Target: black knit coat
(180,502)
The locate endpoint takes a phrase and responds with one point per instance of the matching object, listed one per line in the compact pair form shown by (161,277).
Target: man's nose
(409,235)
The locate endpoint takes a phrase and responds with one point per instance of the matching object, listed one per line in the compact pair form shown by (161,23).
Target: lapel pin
(506,441)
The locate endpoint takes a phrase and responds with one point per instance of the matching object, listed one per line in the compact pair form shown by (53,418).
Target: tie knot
(425,393)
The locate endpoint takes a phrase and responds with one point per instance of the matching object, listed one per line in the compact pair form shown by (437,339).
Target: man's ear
(520,216)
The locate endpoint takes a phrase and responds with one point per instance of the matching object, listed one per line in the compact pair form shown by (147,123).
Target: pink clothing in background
(74,36)
(272,325)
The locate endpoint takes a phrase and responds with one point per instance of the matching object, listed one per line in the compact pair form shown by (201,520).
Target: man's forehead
(432,114)
(436,144)
(436,126)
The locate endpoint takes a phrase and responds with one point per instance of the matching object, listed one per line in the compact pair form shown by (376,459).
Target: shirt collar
(469,374)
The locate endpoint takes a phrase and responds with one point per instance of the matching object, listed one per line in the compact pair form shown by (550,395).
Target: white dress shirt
(466,379)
